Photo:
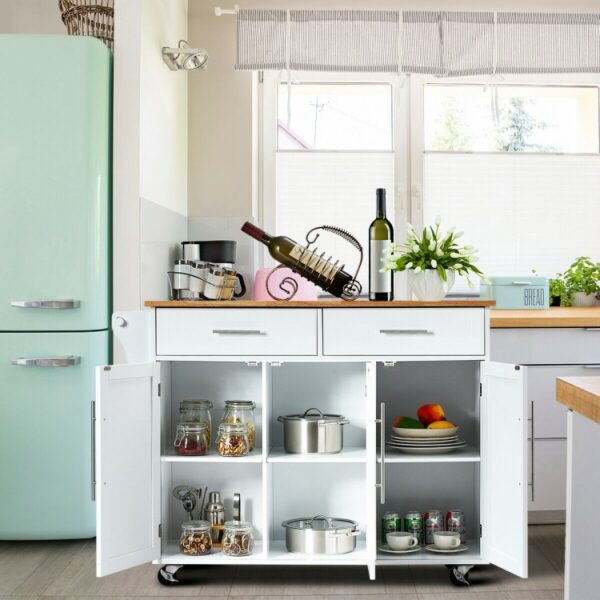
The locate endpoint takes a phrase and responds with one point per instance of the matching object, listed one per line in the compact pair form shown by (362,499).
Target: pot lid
(320,523)
(314,414)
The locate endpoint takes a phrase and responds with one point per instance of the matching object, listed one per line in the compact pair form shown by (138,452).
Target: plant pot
(583,299)
(555,301)
(428,285)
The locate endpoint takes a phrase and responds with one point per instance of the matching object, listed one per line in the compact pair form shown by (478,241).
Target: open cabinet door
(127,466)
(504,462)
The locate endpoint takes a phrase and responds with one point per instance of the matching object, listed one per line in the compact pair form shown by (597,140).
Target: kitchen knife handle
(406,331)
(93,451)
(57,304)
(57,361)
(381,421)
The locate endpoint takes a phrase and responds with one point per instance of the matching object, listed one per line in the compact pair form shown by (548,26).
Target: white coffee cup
(446,540)
(401,540)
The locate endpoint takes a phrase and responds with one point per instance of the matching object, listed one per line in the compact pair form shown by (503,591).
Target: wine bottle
(303,261)
(381,235)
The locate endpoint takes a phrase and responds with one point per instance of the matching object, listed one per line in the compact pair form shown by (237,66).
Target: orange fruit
(441,425)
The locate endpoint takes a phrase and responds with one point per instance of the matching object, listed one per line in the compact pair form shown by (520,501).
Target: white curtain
(437,43)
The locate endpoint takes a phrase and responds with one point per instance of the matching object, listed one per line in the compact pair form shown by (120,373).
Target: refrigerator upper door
(46,393)
(55,151)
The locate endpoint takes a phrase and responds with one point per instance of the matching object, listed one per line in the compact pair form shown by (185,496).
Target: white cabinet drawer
(236,332)
(404,332)
(549,482)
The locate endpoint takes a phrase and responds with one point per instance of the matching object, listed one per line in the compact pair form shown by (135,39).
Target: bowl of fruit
(431,422)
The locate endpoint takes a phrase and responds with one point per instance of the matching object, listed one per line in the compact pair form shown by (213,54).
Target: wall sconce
(185,58)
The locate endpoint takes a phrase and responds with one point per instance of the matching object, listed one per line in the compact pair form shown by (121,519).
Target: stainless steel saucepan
(312,432)
(320,535)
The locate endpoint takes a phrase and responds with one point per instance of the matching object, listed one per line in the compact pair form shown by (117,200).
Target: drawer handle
(406,332)
(61,361)
(57,304)
(591,328)
(239,332)
(521,283)
(591,366)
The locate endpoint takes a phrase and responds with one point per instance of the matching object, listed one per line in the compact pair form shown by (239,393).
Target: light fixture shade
(185,58)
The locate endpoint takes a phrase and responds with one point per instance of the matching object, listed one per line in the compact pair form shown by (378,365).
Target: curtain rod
(219,12)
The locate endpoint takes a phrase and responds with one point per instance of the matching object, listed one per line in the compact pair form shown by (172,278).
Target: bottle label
(314,262)
(379,282)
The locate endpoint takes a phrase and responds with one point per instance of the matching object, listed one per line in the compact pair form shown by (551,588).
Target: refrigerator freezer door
(55,123)
(45,433)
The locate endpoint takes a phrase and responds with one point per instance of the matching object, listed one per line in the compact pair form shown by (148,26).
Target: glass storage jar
(191,439)
(196,411)
(232,440)
(238,538)
(195,538)
(241,411)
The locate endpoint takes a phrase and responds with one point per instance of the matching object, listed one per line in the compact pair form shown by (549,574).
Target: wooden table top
(334,303)
(550,317)
(581,394)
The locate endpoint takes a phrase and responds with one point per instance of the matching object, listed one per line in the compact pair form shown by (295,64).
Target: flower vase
(428,285)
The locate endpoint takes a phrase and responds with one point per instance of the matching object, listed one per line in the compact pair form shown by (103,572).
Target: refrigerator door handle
(56,361)
(59,304)
(93,451)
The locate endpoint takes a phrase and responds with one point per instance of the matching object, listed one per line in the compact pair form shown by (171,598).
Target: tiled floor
(65,570)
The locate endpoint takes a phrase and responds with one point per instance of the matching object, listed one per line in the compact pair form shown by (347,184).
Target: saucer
(434,548)
(386,548)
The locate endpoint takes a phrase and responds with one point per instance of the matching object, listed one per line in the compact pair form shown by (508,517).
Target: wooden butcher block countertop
(551,317)
(581,394)
(315,304)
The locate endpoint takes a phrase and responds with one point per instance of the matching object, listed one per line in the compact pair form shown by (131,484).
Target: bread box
(517,292)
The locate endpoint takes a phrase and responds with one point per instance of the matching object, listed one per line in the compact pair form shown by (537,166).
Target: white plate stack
(425,441)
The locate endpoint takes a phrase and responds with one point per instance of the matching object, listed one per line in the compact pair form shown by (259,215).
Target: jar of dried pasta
(241,411)
(196,411)
(195,538)
(238,538)
(232,440)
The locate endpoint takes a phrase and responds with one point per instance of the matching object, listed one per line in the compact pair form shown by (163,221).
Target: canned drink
(413,523)
(389,522)
(455,521)
(434,521)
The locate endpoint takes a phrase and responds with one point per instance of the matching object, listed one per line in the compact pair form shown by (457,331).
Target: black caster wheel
(459,576)
(168,575)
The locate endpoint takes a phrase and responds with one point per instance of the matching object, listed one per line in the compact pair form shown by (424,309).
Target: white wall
(30,16)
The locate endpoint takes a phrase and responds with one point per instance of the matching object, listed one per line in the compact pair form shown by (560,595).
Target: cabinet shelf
(172,556)
(347,455)
(467,454)
(424,557)
(279,554)
(211,456)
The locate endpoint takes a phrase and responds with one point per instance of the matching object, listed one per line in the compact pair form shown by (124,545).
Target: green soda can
(413,523)
(389,522)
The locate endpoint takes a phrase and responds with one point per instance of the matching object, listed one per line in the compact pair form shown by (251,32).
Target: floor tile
(288,581)
(397,580)
(550,541)
(455,594)
(336,597)
(79,579)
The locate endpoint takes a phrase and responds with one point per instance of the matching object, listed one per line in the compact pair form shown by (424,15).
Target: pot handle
(354,533)
(280,419)
(340,422)
(320,415)
(319,517)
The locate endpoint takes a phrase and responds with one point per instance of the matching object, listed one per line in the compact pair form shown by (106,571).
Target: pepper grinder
(214,513)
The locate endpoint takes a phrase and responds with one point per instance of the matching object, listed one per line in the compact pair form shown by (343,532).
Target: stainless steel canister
(214,513)
(313,431)
(198,272)
(320,535)
(181,275)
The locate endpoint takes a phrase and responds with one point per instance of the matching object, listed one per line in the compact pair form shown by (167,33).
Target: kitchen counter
(334,303)
(581,395)
(552,317)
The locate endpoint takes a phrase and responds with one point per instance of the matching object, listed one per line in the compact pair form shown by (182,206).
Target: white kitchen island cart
(368,361)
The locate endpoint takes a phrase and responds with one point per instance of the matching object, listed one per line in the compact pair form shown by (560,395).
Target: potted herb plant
(558,291)
(432,259)
(582,282)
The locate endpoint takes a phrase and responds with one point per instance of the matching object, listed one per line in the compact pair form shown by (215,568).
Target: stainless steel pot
(320,535)
(312,432)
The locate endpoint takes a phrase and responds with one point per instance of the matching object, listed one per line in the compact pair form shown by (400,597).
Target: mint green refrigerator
(55,290)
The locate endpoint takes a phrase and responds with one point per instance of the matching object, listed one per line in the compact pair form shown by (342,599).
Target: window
(334,149)
(523,184)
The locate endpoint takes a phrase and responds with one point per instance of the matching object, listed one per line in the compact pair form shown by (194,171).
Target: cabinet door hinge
(389,363)
(160,530)
(252,363)
(480,389)
(159,389)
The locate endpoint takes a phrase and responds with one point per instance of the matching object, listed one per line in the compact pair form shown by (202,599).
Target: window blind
(439,43)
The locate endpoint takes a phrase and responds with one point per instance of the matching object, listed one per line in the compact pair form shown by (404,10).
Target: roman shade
(436,43)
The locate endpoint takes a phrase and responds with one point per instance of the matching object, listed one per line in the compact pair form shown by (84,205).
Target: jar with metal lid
(191,439)
(195,538)
(238,538)
(232,440)
(241,411)
(196,411)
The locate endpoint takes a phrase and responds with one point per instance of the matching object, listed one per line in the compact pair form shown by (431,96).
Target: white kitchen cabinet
(139,520)
(548,353)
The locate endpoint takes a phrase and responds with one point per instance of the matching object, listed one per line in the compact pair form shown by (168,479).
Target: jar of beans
(191,439)
(232,440)
(196,411)
(238,538)
(195,538)
(241,412)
